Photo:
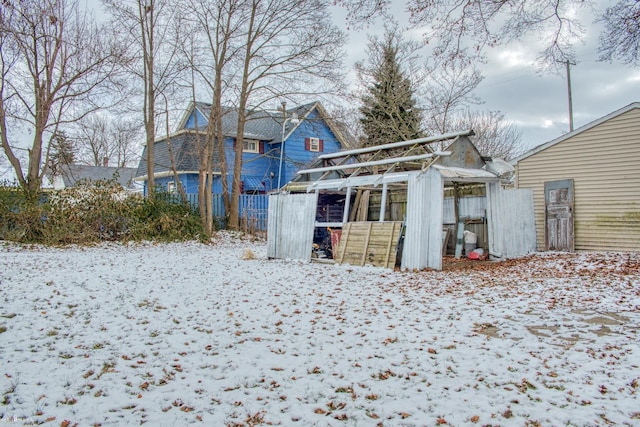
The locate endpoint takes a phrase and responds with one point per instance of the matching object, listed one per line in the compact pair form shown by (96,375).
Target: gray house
(68,176)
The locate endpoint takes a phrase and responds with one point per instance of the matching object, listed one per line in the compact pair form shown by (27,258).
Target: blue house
(308,133)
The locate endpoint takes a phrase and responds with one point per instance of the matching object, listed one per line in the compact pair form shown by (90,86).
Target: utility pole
(569,64)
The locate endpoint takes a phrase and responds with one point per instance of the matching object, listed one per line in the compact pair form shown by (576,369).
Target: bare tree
(453,24)
(285,51)
(53,61)
(494,136)
(217,26)
(145,26)
(621,36)
(449,91)
(104,138)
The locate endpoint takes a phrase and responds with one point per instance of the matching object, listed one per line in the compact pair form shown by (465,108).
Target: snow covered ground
(177,334)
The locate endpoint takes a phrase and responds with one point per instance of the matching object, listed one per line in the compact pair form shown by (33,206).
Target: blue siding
(295,155)
(261,170)
(188,181)
(255,166)
(191,121)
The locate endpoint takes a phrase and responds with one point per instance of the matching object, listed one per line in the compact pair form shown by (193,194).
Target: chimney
(105,161)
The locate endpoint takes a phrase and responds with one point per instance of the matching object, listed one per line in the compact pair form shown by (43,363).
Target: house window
(250,146)
(314,144)
(171,187)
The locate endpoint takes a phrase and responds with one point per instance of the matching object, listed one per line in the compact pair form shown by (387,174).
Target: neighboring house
(312,135)
(586,185)
(68,176)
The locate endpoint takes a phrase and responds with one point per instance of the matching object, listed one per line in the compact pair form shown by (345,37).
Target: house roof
(184,150)
(575,132)
(265,125)
(72,174)
(261,125)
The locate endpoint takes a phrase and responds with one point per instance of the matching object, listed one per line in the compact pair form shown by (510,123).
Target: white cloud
(514,58)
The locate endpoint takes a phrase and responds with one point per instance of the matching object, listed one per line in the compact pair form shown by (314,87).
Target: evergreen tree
(389,111)
(61,152)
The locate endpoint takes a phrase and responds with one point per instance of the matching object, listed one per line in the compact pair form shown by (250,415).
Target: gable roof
(575,132)
(264,125)
(72,174)
(184,150)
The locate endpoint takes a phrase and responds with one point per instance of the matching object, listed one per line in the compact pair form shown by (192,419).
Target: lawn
(215,335)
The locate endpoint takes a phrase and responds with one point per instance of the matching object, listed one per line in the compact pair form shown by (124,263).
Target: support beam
(347,203)
(383,202)
(376,162)
(393,145)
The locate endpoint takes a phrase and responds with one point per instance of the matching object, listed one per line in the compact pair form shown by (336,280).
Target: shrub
(92,212)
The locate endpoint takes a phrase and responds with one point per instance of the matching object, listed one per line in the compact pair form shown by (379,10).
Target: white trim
(316,141)
(376,162)
(167,174)
(247,150)
(396,145)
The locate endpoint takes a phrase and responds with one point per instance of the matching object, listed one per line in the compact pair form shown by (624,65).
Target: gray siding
(511,223)
(290,225)
(423,236)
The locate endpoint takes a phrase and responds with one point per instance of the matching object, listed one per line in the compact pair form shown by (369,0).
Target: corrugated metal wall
(470,207)
(604,163)
(290,226)
(423,236)
(510,221)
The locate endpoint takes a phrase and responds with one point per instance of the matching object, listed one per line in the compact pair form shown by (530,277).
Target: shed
(422,173)
(586,185)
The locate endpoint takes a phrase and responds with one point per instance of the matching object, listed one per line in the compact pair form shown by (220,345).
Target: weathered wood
(459,239)
(445,240)
(558,196)
(366,243)
(372,243)
(363,209)
(389,245)
(344,240)
(354,211)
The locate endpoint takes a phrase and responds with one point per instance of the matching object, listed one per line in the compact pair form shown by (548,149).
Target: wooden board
(369,243)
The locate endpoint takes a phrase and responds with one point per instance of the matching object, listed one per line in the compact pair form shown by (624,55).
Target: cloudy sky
(538,103)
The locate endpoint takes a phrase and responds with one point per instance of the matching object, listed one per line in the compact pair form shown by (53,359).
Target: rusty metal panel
(423,236)
(290,226)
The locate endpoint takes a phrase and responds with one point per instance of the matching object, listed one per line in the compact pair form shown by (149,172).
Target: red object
(473,255)
(335,238)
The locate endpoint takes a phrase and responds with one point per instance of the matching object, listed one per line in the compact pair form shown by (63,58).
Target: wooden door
(558,218)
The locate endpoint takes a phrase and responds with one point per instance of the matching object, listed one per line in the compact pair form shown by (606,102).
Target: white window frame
(246,146)
(171,187)
(314,145)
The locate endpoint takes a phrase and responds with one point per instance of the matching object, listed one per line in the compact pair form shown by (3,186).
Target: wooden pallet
(369,243)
